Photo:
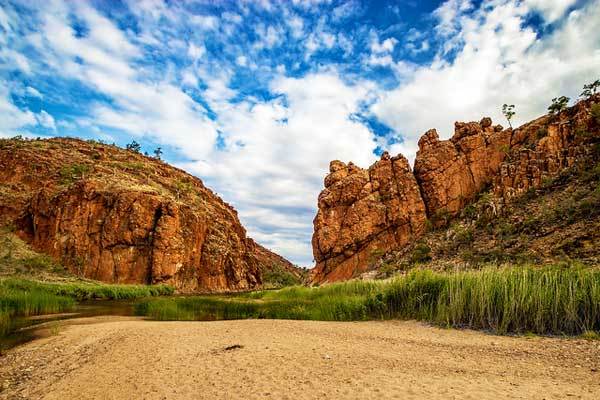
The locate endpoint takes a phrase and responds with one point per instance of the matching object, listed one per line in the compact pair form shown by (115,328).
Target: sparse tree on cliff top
(134,146)
(509,112)
(158,152)
(558,104)
(590,89)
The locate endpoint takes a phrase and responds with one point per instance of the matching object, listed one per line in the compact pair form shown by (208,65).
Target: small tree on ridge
(509,112)
(558,104)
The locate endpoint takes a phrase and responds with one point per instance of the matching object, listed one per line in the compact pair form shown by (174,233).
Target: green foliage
(157,152)
(590,89)
(558,104)
(89,290)
(74,172)
(278,277)
(595,111)
(183,187)
(542,132)
(441,217)
(553,300)
(420,254)
(22,297)
(509,112)
(462,235)
(42,262)
(133,165)
(15,301)
(134,146)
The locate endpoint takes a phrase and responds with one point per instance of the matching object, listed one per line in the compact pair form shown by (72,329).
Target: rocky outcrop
(451,172)
(117,216)
(551,144)
(365,213)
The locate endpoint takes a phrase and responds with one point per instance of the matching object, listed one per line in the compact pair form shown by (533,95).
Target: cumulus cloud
(273,171)
(551,9)
(46,120)
(501,61)
(13,118)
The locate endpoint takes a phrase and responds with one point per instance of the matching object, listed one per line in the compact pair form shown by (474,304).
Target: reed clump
(549,300)
(84,290)
(16,302)
(23,297)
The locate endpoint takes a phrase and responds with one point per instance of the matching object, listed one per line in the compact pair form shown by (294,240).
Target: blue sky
(256,97)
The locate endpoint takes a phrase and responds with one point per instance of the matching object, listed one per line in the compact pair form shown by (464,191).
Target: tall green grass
(22,297)
(553,300)
(16,302)
(90,290)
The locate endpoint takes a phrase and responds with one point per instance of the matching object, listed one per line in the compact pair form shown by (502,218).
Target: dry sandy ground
(124,358)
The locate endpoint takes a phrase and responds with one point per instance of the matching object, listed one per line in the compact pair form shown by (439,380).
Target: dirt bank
(123,358)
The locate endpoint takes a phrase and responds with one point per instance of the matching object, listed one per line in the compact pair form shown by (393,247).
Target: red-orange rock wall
(365,213)
(126,219)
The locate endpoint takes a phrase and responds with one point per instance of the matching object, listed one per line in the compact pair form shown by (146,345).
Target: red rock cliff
(365,213)
(117,216)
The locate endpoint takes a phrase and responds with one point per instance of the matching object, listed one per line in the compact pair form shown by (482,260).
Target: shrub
(71,173)
(558,104)
(509,112)
(590,89)
(542,132)
(134,146)
(595,111)
(420,254)
(278,277)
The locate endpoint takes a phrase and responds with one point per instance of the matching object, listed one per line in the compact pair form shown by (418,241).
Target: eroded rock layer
(117,216)
(365,213)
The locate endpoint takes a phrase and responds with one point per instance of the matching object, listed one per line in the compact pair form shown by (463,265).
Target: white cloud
(277,153)
(46,120)
(449,15)
(242,61)
(387,46)
(33,92)
(13,118)
(196,52)
(296,25)
(231,17)
(500,62)
(206,22)
(13,60)
(551,9)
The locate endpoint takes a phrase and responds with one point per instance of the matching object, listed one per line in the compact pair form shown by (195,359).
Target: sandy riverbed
(125,358)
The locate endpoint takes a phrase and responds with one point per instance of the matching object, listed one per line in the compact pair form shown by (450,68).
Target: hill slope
(118,216)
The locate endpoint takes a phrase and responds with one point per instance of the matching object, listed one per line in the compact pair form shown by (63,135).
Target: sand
(127,358)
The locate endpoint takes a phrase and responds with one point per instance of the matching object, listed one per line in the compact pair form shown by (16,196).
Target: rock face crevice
(363,213)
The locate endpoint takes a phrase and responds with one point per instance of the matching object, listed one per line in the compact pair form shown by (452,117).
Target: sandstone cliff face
(451,172)
(117,216)
(362,211)
(368,212)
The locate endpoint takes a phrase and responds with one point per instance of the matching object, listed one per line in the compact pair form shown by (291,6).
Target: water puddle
(29,328)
